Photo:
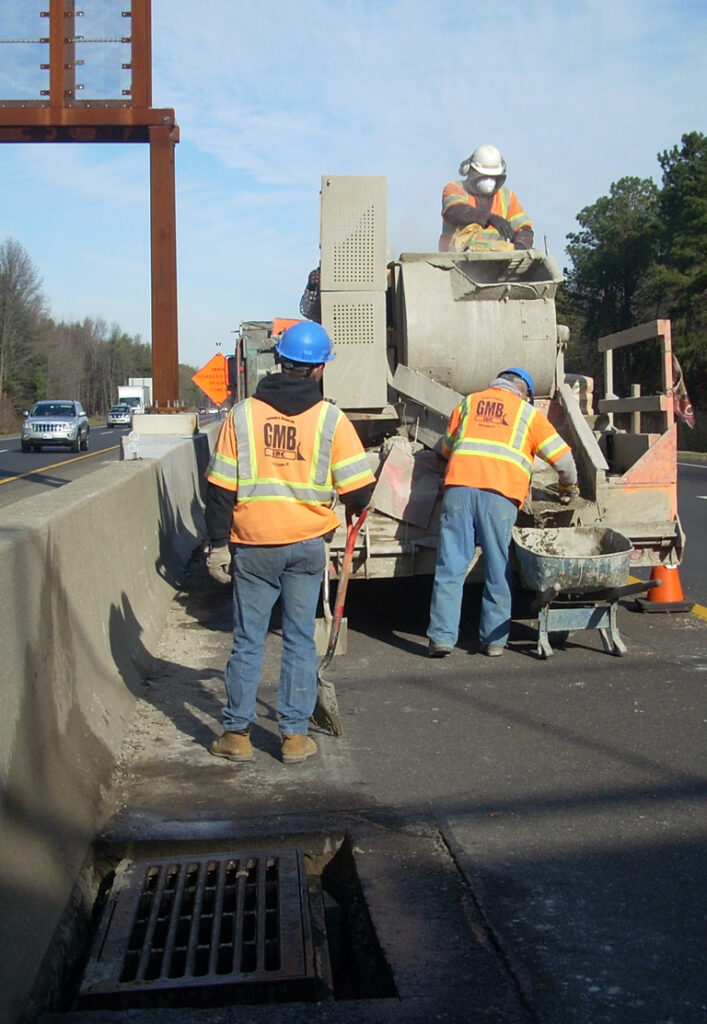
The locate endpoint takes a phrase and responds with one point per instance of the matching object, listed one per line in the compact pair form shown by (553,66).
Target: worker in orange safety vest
(281,458)
(481,198)
(491,441)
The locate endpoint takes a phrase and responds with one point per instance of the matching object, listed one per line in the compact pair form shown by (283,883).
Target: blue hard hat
(305,342)
(524,376)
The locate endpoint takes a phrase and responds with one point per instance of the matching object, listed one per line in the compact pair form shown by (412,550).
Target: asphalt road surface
(24,474)
(692,508)
(564,797)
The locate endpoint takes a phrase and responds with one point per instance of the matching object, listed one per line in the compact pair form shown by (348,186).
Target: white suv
(58,422)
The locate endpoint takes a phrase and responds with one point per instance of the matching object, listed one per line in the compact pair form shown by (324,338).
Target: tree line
(40,358)
(641,255)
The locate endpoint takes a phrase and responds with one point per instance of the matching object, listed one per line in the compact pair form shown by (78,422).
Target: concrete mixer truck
(415,333)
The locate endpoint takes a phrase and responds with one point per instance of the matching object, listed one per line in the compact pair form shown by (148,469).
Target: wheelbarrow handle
(614,593)
(548,596)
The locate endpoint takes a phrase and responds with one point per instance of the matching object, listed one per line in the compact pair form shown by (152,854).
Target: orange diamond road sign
(281,324)
(213,379)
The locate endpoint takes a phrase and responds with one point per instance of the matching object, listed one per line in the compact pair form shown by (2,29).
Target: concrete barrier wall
(87,573)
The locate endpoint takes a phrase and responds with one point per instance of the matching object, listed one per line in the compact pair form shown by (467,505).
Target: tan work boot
(297,748)
(492,651)
(235,746)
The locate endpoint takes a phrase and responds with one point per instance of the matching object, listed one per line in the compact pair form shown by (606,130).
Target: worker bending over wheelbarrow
(280,458)
(491,441)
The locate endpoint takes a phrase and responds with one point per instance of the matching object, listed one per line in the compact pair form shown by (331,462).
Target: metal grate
(214,920)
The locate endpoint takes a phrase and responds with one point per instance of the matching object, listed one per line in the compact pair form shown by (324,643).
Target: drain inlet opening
(220,929)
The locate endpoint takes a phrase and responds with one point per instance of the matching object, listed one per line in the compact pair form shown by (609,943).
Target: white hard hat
(487,160)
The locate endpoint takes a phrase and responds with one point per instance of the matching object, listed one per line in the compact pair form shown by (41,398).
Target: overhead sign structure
(212,378)
(110,50)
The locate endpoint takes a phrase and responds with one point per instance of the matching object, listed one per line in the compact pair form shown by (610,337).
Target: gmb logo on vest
(491,412)
(280,441)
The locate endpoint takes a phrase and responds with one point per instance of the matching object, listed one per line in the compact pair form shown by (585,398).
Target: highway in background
(25,474)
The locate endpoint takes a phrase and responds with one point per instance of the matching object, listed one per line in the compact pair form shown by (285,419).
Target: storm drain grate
(214,920)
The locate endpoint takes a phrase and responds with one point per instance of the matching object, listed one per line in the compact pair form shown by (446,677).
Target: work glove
(218,564)
(567,492)
(356,509)
(501,225)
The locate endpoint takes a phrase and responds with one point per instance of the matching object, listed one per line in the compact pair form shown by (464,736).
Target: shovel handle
(352,530)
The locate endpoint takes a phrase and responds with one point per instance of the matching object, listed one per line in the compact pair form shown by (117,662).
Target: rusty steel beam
(141,49)
(62,53)
(165,364)
(79,133)
(17,114)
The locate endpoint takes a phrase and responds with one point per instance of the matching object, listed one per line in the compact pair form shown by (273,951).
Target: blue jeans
(470,516)
(292,572)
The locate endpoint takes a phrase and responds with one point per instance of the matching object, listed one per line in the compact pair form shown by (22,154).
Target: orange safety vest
(504,204)
(491,440)
(286,470)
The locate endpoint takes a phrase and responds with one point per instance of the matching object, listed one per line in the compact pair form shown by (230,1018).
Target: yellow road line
(55,465)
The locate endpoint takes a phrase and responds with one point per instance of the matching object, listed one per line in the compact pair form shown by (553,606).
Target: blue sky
(269,96)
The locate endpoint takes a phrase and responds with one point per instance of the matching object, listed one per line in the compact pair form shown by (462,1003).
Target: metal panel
(357,377)
(409,485)
(427,392)
(353,233)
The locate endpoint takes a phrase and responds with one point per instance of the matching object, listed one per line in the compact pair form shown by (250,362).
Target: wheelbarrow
(577,576)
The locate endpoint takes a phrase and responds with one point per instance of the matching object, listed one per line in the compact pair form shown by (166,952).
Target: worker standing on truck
(280,458)
(481,198)
(491,440)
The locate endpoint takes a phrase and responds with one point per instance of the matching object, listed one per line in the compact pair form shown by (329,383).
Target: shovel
(326,710)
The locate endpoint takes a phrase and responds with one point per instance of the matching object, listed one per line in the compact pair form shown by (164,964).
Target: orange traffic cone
(668,596)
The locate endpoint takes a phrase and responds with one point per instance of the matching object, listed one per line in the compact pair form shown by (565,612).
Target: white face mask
(485,186)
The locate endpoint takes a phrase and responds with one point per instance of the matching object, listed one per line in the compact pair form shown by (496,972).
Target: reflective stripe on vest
(504,198)
(349,471)
(548,449)
(223,467)
(251,487)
